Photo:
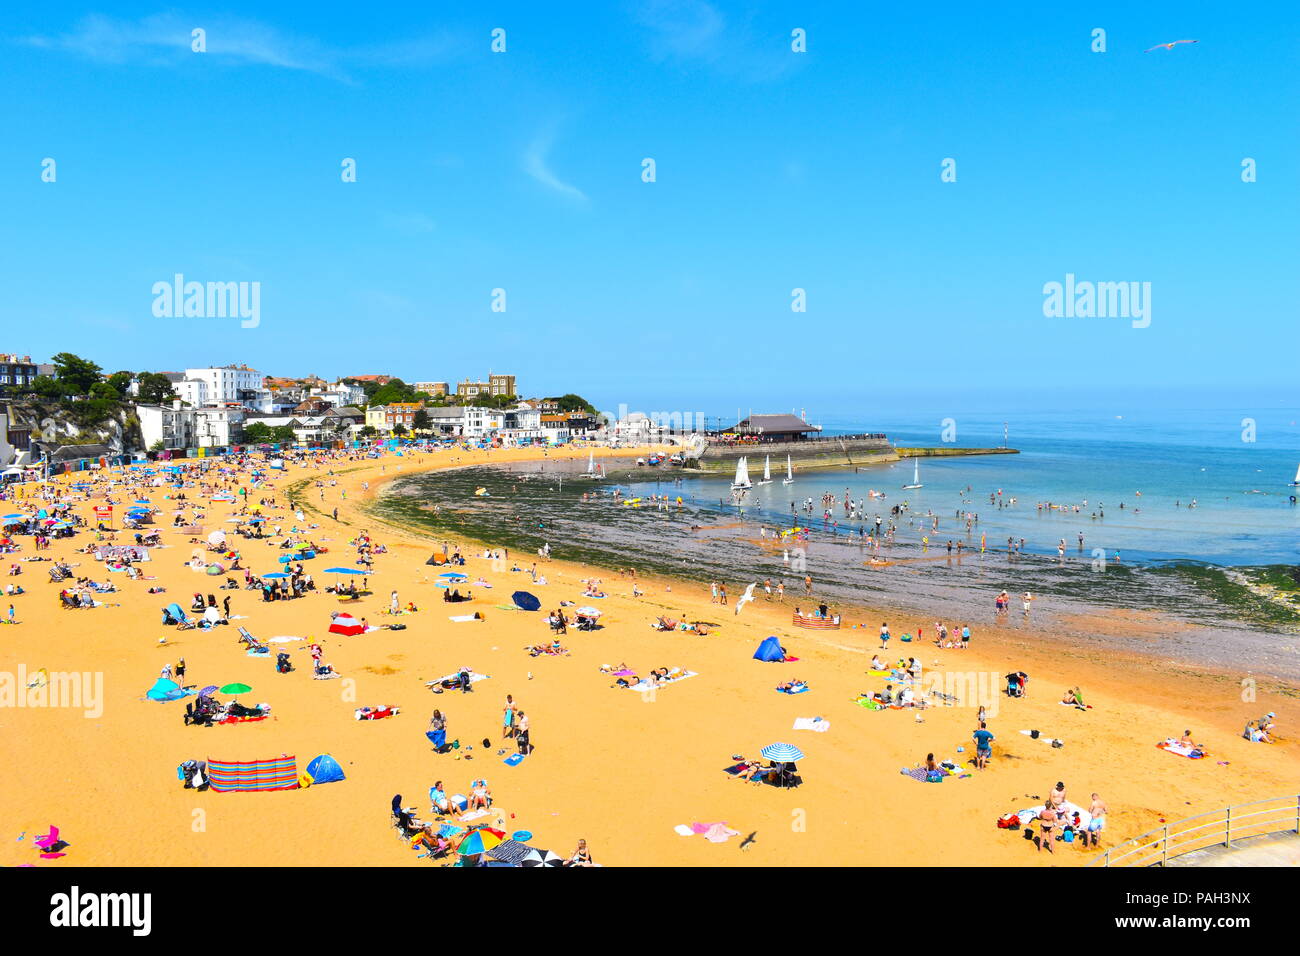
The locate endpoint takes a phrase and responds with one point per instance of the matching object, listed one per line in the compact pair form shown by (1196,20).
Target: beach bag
(934,776)
(1033,734)
(1068,835)
(1009,821)
(1058,744)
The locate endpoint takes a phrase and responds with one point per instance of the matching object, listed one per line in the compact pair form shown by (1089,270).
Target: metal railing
(1216,828)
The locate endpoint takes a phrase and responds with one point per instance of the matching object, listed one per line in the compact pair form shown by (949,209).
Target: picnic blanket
(817,724)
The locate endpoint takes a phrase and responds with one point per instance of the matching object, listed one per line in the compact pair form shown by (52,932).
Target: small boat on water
(916,476)
(767,471)
(1296,483)
(789,472)
(742,482)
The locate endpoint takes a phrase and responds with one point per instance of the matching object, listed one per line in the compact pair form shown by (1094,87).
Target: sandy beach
(612,766)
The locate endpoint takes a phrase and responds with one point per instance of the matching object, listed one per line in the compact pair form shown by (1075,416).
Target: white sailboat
(789,472)
(916,476)
(767,471)
(1297,477)
(591,471)
(742,481)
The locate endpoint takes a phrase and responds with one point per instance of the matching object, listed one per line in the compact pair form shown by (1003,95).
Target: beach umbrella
(346,624)
(455,576)
(525,601)
(345,571)
(236,689)
(782,753)
(588,612)
(542,858)
(478,841)
(207,690)
(276,574)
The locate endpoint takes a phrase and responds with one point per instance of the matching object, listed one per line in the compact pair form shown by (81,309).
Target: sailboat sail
(1297,475)
(767,470)
(742,474)
(789,472)
(916,474)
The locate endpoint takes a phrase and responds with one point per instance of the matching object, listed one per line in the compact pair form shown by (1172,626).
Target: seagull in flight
(1169,46)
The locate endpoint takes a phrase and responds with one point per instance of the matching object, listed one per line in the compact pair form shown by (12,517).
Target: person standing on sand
(1097,810)
(884,636)
(983,745)
(525,746)
(1047,823)
(508,718)
(722,594)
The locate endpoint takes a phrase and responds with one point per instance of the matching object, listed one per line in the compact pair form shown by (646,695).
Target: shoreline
(1168,637)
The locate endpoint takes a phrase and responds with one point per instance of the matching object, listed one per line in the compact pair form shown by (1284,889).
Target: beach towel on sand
(812,723)
(1174,747)
(643,685)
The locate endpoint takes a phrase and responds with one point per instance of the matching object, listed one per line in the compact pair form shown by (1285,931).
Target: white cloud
(165,40)
(535,164)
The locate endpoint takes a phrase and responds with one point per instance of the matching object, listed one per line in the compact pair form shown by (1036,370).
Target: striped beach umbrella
(782,753)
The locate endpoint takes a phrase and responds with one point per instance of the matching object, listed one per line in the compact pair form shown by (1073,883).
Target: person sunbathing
(791,685)
(877,664)
(666,625)
(480,795)
(751,769)
(1073,699)
(1186,741)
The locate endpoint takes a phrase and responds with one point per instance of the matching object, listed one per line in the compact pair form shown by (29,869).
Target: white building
(169,427)
(217,426)
(482,422)
(225,385)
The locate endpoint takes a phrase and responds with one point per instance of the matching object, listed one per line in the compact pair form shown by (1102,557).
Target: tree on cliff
(155,388)
(75,373)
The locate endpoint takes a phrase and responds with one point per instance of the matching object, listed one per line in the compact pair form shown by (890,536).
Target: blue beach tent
(769,650)
(176,614)
(325,769)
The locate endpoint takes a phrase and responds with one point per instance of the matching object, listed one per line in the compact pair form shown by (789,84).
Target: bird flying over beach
(1169,46)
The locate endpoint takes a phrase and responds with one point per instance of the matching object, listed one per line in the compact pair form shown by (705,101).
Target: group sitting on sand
(1260,731)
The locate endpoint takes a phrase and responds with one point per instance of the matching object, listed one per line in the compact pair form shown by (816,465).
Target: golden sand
(609,766)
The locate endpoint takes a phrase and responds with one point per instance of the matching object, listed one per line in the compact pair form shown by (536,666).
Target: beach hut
(324,769)
(770,650)
(346,624)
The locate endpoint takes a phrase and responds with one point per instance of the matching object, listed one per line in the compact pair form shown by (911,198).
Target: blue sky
(775,170)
